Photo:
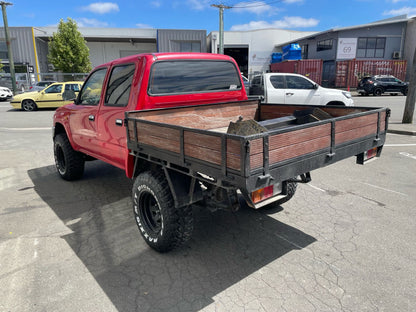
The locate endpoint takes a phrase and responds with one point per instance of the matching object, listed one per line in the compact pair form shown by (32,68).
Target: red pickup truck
(182,126)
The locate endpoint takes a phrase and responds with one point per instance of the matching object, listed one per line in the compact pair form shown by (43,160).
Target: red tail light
(262,194)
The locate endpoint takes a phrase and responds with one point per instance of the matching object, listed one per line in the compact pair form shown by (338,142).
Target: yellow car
(55,95)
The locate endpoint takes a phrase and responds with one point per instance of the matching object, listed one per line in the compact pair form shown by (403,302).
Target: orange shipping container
(309,68)
(349,73)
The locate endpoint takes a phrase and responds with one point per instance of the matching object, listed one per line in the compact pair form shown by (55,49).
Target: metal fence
(25,81)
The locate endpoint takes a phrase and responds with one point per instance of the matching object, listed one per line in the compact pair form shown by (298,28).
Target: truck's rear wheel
(290,192)
(69,163)
(162,226)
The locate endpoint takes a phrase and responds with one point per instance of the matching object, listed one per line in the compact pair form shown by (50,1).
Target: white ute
(285,88)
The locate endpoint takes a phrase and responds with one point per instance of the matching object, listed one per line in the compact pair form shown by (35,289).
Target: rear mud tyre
(290,190)
(162,226)
(69,163)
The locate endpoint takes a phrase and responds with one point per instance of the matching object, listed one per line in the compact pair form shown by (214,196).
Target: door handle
(119,122)
(91,117)
(289,93)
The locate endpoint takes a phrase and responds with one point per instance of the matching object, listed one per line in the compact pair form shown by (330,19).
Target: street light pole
(8,43)
(221,32)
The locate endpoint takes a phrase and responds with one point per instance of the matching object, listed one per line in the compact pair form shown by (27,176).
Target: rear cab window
(189,76)
(119,85)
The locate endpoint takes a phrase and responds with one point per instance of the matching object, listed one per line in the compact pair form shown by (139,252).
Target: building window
(305,48)
(3,51)
(371,47)
(189,46)
(324,45)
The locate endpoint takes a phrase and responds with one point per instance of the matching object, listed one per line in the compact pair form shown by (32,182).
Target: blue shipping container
(276,57)
(292,52)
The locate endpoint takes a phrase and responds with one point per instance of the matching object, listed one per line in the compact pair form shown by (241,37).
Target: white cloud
(90,22)
(102,7)
(292,1)
(155,4)
(286,22)
(396,1)
(257,7)
(199,5)
(139,25)
(405,10)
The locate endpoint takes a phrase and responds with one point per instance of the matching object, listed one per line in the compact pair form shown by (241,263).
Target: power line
(255,4)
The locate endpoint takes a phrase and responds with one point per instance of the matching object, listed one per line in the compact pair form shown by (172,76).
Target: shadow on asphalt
(226,247)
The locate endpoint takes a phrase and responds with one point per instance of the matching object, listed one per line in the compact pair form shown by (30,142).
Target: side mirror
(315,86)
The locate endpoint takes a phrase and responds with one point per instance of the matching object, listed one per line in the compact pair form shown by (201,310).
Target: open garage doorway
(240,54)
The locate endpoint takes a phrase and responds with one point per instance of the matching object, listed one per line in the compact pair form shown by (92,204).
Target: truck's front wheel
(162,226)
(69,163)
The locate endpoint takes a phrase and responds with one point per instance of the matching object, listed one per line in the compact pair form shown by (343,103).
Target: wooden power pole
(409,108)
(221,31)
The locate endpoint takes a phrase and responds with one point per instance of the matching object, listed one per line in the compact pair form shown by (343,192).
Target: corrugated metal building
(386,40)
(30,45)
(174,40)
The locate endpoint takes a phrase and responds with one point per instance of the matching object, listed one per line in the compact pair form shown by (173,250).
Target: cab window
(182,77)
(54,89)
(119,85)
(72,87)
(278,82)
(295,82)
(91,91)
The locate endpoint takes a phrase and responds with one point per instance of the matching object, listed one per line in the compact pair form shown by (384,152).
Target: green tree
(68,51)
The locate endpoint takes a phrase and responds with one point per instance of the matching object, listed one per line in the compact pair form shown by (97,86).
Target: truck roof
(170,55)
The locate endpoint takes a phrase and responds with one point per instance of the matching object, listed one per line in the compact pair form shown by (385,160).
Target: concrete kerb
(404,129)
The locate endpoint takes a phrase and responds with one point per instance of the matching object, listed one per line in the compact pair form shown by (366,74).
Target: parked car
(40,85)
(379,84)
(285,88)
(5,94)
(22,82)
(55,95)
(246,83)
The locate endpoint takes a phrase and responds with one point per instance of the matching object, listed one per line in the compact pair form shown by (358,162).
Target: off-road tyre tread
(177,222)
(291,190)
(74,161)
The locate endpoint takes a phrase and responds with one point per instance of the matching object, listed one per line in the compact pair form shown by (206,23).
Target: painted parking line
(25,129)
(384,189)
(408,155)
(399,145)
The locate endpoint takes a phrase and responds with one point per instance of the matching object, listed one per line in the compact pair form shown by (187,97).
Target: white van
(286,88)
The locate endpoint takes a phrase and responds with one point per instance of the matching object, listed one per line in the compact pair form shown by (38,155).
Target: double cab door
(291,89)
(98,116)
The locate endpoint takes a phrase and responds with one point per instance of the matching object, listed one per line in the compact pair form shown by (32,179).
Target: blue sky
(307,15)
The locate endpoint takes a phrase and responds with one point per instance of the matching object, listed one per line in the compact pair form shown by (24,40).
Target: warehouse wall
(103,52)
